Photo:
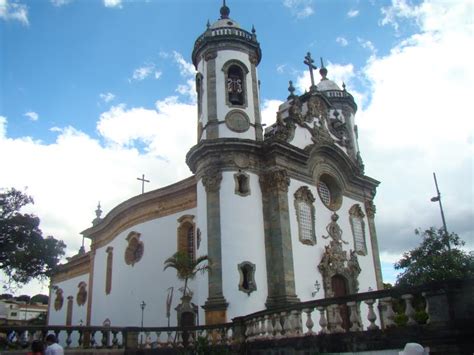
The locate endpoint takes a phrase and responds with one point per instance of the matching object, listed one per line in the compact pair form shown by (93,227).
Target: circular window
(329,192)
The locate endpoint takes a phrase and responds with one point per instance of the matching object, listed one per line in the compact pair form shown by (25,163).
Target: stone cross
(143,180)
(309,62)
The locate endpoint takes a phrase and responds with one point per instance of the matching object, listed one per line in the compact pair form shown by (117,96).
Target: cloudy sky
(95,93)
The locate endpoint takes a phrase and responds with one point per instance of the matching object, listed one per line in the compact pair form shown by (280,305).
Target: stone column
(216,304)
(370,211)
(278,249)
(212,125)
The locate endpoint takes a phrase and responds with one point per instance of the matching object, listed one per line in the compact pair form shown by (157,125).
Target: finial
(291,89)
(98,213)
(323,71)
(253,29)
(208,24)
(344,86)
(309,62)
(225,11)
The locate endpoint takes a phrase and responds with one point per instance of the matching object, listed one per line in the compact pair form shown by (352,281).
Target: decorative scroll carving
(212,180)
(360,163)
(370,208)
(275,180)
(59,300)
(81,296)
(108,272)
(135,249)
(356,219)
(334,231)
(320,134)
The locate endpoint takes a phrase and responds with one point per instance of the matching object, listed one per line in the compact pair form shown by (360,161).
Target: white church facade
(284,213)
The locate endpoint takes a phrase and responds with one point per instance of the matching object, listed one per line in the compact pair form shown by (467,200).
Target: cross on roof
(143,180)
(309,62)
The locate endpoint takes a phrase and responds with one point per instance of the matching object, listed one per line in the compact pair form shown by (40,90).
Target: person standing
(53,347)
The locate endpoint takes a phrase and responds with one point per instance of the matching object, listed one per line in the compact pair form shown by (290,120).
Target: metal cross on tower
(309,62)
(143,180)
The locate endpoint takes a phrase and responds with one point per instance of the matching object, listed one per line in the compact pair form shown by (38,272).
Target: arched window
(356,218)
(235,73)
(187,236)
(305,215)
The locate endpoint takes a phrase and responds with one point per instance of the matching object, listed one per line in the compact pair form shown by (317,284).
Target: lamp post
(437,198)
(142,306)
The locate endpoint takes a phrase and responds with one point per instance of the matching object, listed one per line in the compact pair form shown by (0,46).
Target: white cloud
(14,11)
(367,45)
(269,110)
(59,3)
(300,8)
(186,69)
(281,68)
(107,97)
(342,41)
(33,116)
(148,70)
(353,13)
(414,125)
(113,3)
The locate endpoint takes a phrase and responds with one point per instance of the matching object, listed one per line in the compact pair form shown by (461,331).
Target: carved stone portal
(338,269)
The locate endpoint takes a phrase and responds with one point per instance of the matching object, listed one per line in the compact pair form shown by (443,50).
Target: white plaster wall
(307,258)
(69,288)
(242,240)
(145,281)
(222,108)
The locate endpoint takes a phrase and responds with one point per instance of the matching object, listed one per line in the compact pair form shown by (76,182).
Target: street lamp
(142,306)
(437,198)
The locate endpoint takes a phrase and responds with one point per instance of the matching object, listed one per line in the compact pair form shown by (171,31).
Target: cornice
(154,204)
(76,266)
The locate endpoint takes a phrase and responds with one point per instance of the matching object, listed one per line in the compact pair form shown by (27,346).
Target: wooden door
(339,288)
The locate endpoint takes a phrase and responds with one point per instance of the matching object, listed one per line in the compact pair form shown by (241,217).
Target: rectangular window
(306,222)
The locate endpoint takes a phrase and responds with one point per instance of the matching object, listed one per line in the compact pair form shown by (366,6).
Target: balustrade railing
(363,312)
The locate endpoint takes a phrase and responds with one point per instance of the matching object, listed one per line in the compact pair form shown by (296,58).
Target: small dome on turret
(224,20)
(325,84)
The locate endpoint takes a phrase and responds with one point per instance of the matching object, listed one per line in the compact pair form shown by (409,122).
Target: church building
(284,213)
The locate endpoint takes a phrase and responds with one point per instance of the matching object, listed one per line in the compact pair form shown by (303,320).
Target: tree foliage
(437,258)
(24,253)
(186,267)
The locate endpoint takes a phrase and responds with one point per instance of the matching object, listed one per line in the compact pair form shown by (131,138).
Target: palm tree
(186,267)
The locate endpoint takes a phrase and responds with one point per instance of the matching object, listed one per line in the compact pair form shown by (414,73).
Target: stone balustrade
(395,312)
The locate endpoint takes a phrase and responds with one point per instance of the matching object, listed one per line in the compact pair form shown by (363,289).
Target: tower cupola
(226,57)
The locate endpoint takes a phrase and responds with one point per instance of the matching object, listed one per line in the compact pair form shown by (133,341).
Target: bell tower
(226,59)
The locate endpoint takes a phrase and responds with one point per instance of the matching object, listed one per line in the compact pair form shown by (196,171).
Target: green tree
(39,298)
(186,267)
(24,253)
(437,258)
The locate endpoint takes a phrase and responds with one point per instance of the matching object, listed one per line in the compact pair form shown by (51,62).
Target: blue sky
(93,93)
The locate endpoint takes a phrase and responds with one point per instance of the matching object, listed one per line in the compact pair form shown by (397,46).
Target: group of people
(52,347)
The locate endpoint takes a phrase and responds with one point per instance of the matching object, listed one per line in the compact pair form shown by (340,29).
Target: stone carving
(360,163)
(356,219)
(370,208)
(295,110)
(237,121)
(275,180)
(305,215)
(320,134)
(247,282)
(334,231)
(59,300)
(81,296)
(282,130)
(212,180)
(316,108)
(134,250)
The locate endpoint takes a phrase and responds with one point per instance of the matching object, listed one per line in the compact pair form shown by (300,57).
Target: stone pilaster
(216,304)
(256,103)
(370,211)
(212,126)
(278,249)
